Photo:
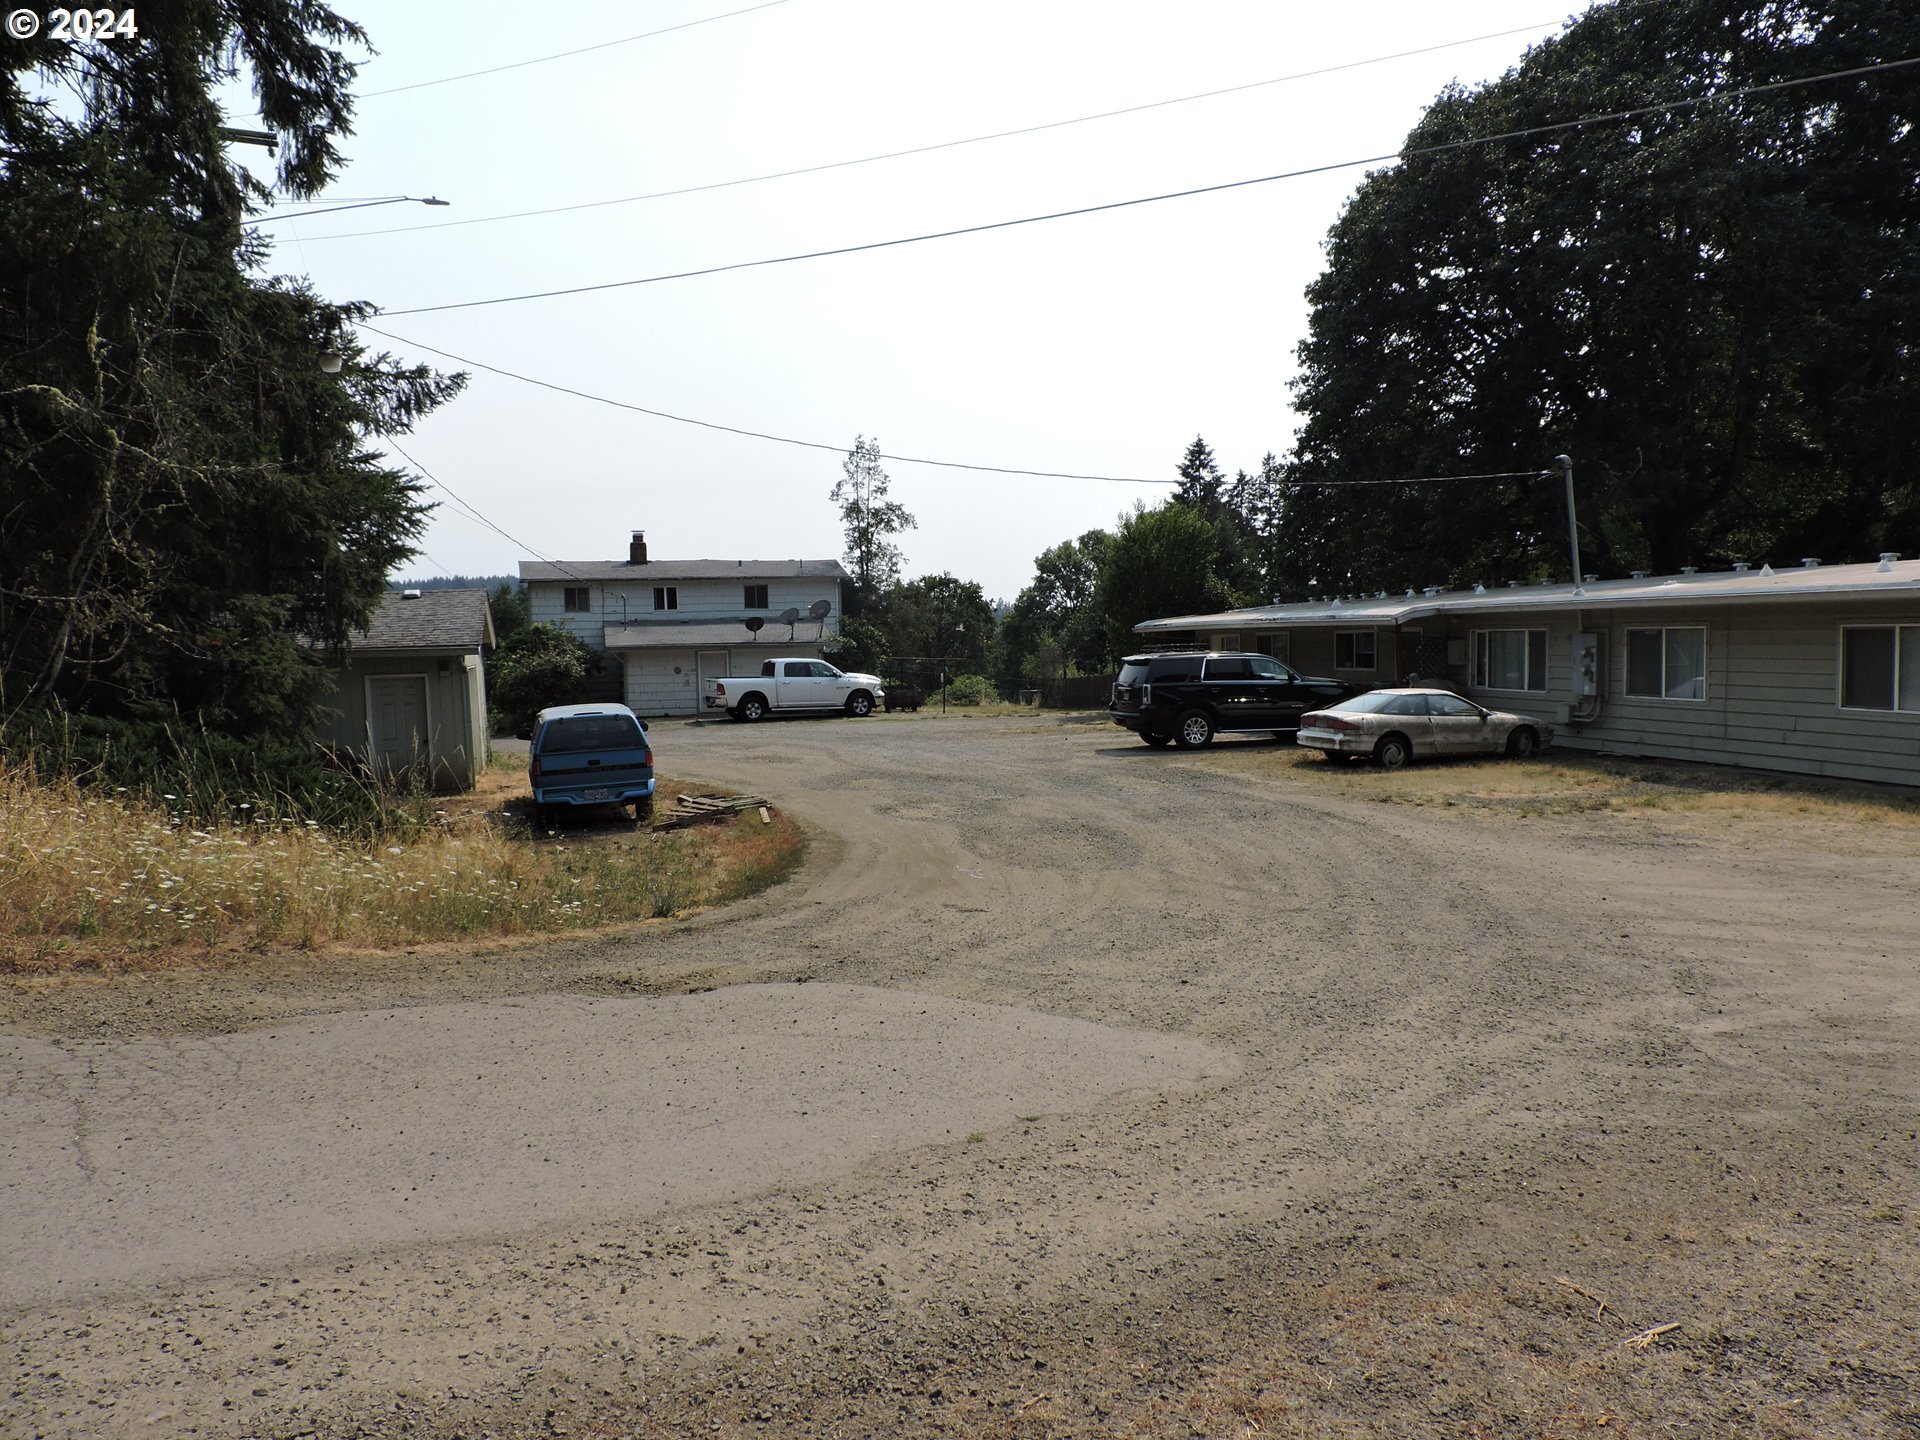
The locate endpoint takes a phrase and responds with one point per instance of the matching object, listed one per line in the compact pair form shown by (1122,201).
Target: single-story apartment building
(664,625)
(413,689)
(1812,669)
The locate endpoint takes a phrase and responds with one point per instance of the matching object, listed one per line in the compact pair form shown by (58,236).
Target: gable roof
(1803,584)
(431,620)
(581,572)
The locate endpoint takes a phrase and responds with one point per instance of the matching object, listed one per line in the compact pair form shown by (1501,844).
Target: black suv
(1192,695)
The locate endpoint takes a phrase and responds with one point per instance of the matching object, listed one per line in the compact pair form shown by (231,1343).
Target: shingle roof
(1801,584)
(431,620)
(729,635)
(583,571)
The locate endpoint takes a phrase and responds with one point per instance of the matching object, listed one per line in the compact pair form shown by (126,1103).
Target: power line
(735,429)
(896,459)
(564,54)
(970,140)
(474,513)
(1402,155)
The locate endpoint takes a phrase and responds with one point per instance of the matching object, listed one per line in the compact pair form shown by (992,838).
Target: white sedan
(1393,726)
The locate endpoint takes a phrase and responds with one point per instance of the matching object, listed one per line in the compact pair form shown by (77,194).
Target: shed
(413,689)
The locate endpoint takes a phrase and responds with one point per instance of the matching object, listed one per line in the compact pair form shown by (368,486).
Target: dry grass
(90,880)
(1563,783)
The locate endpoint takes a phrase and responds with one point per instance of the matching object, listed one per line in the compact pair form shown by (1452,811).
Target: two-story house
(663,624)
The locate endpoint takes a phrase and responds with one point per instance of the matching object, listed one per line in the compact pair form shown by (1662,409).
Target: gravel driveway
(1226,1106)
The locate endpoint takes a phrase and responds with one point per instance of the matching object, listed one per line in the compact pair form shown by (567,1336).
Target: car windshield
(1372,703)
(590,732)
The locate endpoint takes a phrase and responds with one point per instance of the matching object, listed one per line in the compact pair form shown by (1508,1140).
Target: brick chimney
(637,548)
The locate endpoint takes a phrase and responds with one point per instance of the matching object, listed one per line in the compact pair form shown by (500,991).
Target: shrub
(205,775)
(967,690)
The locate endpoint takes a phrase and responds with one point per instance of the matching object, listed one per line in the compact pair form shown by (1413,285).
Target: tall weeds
(93,876)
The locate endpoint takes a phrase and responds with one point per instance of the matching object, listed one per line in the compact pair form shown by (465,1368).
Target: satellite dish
(753,624)
(820,609)
(789,615)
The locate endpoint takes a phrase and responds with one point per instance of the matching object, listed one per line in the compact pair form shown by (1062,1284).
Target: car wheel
(1193,729)
(1155,738)
(543,819)
(753,708)
(1392,752)
(859,704)
(1522,743)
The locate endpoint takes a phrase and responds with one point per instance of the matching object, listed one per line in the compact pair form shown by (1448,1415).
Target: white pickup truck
(792,685)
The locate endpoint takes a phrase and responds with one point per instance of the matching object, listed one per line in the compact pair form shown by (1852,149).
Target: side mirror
(643,726)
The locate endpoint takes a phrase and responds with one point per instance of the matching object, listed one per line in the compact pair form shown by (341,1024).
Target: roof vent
(409,594)
(1639,574)
(1336,602)
(1809,562)
(1766,569)
(1274,601)
(1431,590)
(1379,594)
(1740,567)
(1593,579)
(1478,588)
(1409,592)
(1888,559)
(1689,569)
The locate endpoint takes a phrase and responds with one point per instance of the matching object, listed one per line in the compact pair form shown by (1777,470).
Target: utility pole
(1565,462)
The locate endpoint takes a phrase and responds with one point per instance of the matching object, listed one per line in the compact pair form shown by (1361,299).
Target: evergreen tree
(870,519)
(194,514)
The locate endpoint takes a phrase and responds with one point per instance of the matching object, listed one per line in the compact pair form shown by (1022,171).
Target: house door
(711,665)
(396,722)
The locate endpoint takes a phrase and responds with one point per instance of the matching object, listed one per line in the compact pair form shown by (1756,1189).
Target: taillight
(646,758)
(1146,694)
(533,770)
(718,688)
(1338,722)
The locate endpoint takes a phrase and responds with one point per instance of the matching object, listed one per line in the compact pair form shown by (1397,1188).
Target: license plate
(592,795)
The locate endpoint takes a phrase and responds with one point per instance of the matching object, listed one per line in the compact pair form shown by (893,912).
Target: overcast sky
(1098,344)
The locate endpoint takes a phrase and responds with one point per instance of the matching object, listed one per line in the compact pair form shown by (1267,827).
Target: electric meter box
(1590,664)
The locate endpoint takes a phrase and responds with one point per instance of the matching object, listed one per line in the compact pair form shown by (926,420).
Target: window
(1173,669)
(1880,667)
(1228,667)
(1510,660)
(1353,650)
(757,598)
(578,599)
(666,597)
(1225,640)
(1266,668)
(1667,664)
(1450,705)
(1275,645)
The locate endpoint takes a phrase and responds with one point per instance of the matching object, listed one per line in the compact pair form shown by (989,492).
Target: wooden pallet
(698,809)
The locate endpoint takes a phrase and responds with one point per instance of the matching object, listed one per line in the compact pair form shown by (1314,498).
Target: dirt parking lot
(1233,1096)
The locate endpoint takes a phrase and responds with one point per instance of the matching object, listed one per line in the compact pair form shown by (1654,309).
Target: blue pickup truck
(586,755)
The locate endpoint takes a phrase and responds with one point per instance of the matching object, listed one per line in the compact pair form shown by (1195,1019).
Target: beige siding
(1772,696)
(456,712)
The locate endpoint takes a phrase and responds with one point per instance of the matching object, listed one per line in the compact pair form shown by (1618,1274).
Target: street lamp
(362,205)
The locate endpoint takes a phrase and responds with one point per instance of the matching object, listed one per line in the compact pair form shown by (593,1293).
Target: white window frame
(1478,656)
(1373,648)
(1840,670)
(567,592)
(666,597)
(1626,664)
